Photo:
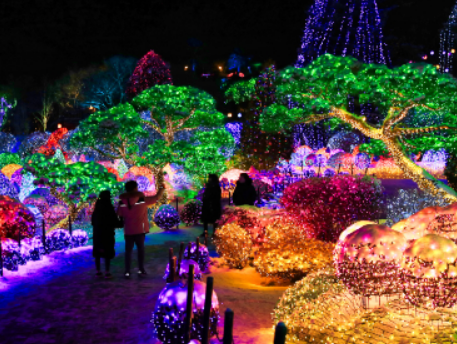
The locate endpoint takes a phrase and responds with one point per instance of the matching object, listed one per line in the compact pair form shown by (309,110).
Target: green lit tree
(113,133)
(321,89)
(167,110)
(77,185)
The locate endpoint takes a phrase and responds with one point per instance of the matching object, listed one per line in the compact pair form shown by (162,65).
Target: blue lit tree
(447,46)
(350,27)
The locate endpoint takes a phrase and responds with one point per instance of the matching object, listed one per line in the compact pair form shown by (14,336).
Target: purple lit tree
(351,27)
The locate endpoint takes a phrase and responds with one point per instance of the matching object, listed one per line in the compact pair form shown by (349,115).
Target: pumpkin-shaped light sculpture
(369,260)
(429,272)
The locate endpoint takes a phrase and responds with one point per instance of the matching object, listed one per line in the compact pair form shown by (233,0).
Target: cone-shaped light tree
(447,43)
(343,28)
(150,70)
(321,90)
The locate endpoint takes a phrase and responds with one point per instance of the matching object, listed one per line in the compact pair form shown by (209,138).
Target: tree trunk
(415,172)
(74,211)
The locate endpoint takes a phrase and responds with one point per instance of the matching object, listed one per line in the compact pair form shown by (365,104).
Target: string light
(447,44)
(333,27)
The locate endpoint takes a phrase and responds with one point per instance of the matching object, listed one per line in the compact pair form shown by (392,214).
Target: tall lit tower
(447,43)
(343,27)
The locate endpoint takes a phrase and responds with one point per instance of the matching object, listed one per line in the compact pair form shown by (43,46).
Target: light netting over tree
(447,43)
(151,70)
(350,27)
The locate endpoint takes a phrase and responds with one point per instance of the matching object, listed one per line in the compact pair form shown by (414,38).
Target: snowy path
(59,300)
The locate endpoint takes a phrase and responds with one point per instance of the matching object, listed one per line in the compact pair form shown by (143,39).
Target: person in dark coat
(211,208)
(104,222)
(244,193)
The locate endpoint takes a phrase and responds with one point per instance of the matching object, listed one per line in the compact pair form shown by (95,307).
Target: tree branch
(412,131)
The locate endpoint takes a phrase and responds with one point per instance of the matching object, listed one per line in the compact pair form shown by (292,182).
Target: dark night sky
(46,38)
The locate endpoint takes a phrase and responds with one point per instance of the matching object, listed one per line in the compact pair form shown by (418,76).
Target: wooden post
(339,167)
(197,247)
(207,309)
(171,268)
(230,198)
(366,171)
(43,235)
(352,169)
(1,259)
(70,227)
(206,238)
(280,334)
(190,297)
(177,209)
(319,170)
(228,327)
(180,256)
(189,246)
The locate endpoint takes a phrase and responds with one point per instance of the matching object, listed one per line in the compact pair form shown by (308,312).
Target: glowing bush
(55,214)
(234,245)
(9,170)
(38,201)
(7,188)
(34,247)
(166,217)
(288,254)
(170,313)
(203,256)
(324,207)
(58,239)
(79,238)
(11,255)
(191,212)
(16,220)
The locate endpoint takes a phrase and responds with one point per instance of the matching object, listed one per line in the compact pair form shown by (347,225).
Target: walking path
(59,300)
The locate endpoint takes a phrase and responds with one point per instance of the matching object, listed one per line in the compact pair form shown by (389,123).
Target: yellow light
(186,67)
(220,67)
(453,51)
(59,126)
(229,114)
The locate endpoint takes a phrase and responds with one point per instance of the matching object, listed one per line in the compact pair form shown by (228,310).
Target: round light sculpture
(184,269)
(203,255)
(166,217)
(430,273)
(191,212)
(339,245)
(170,313)
(369,260)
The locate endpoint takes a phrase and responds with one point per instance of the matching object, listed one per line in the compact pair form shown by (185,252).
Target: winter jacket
(244,194)
(133,208)
(211,208)
(104,221)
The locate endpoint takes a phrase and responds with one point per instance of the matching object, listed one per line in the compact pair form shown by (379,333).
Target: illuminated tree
(321,89)
(9,158)
(257,148)
(345,28)
(77,185)
(151,70)
(169,109)
(106,88)
(114,133)
(447,46)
